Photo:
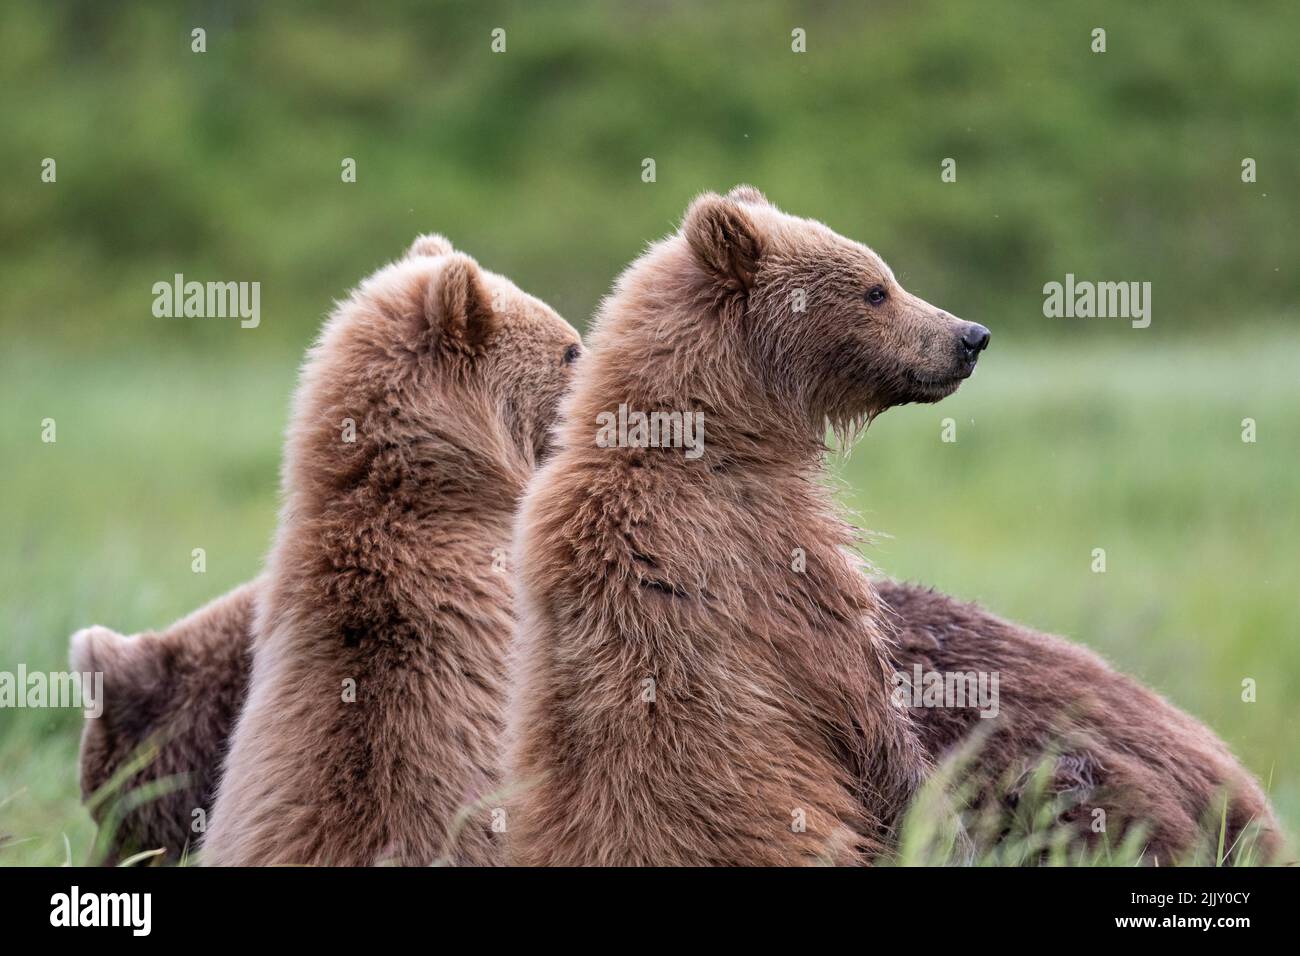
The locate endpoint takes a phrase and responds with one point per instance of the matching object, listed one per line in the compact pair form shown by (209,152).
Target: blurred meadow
(1074,434)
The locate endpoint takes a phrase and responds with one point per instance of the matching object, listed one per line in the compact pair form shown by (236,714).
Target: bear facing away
(683,696)
(375,703)
(170,699)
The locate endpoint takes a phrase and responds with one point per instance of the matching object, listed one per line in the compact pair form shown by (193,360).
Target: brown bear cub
(376,697)
(1135,755)
(683,696)
(1120,748)
(170,699)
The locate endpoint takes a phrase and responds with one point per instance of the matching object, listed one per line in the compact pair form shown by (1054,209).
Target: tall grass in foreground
(1134,449)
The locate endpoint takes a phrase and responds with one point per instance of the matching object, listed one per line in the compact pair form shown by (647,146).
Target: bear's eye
(877,294)
(571,354)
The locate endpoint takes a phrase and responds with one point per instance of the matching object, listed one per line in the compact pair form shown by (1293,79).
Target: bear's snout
(975,339)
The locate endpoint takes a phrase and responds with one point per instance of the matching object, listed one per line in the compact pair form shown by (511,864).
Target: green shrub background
(1074,434)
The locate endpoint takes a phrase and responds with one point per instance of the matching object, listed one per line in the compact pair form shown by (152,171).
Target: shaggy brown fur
(387,581)
(170,699)
(183,688)
(684,696)
(1113,744)
(1126,750)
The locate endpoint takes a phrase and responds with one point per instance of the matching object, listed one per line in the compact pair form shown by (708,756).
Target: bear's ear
(459,306)
(747,193)
(123,661)
(430,244)
(724,238)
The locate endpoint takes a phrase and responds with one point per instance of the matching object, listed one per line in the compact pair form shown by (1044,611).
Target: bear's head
(822,316)
(431,354)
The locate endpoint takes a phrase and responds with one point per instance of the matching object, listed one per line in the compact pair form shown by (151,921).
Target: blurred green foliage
(1073,435)
(226,165)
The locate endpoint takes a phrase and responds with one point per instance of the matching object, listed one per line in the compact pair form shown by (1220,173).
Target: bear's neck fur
(382,634)
(669,342)
(770,684)
(410,515)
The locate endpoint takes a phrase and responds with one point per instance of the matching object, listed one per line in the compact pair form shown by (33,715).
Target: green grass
(1131,446)
(1137,450)
(153,459)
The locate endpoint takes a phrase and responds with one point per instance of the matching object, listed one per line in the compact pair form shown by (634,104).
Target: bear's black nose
(975,338)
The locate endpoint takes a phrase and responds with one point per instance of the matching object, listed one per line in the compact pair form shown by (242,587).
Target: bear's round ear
(724,238)
(747,193)
(459,306)
(429,244)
